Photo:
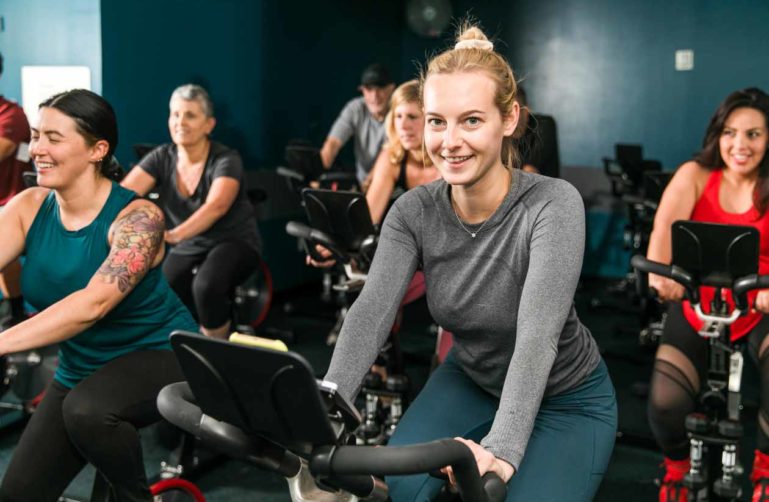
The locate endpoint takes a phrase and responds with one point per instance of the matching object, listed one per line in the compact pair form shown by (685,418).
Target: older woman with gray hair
(213,229)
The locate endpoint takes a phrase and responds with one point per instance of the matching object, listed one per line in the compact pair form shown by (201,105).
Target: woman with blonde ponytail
(524,386)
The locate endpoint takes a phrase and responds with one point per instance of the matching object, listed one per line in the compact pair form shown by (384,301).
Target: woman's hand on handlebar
(762,301)
(325,253)
(667,289)
(486,461)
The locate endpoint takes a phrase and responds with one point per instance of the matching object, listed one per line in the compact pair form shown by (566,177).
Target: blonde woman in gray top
(524,386)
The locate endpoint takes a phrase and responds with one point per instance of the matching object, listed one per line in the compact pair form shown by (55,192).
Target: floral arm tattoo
(136,242)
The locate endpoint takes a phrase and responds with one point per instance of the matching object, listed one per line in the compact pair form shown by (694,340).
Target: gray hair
(194,92)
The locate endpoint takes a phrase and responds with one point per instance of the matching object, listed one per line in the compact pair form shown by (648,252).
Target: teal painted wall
(276,71)
(49,32)
(317,53)
(280,70)
(605,69)
(151,47)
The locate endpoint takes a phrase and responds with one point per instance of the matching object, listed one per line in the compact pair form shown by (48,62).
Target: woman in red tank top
(727,182)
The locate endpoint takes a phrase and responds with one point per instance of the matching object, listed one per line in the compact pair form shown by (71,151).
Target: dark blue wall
(151,47)
(276,71)
(605,69)
(492,16)
(281,70)
(315,54)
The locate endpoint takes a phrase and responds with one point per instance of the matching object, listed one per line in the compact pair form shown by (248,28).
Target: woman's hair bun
(471,37)
(471,32)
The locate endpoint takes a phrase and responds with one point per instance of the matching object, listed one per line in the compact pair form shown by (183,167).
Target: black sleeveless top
(401,181)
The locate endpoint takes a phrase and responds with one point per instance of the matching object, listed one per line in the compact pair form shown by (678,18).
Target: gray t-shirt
(357,122)
(239,223)
(506,295)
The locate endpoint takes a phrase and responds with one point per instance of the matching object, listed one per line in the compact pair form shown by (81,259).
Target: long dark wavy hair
(95,120)
(710,155)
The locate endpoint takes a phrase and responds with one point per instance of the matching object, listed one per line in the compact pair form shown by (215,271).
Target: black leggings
(95,422)
(208,293)
(673,395)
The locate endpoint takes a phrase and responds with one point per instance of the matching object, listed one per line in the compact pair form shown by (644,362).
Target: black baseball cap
(375,75)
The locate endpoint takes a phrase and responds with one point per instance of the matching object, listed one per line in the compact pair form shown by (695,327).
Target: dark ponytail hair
(710,155)
(95,120)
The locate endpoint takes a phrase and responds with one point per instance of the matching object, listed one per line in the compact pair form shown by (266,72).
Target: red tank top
(708,209)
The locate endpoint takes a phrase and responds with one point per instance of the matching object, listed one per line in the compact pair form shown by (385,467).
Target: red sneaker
(672,488)
(760,477)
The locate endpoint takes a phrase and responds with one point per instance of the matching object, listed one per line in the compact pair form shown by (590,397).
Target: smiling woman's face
(464,128)
(187,122)
(743,141)
(60,153)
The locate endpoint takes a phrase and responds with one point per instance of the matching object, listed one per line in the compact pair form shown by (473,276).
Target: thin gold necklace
(459,220)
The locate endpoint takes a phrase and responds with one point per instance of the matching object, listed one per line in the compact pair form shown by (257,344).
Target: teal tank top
(60,262)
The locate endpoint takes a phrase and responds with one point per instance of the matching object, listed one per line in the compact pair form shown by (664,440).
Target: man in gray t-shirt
(362,118)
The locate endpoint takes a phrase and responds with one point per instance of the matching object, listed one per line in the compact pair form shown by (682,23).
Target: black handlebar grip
(311,237)
(494,487)
(291,174)
(749,283)
(175,404)
(296,229)
(639,262)
(338,177)
(412,459)
(304,232)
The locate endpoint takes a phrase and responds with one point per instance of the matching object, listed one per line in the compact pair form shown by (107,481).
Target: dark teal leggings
(567,453)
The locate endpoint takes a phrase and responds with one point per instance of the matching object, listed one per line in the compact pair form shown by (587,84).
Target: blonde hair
(469,57)
(408,92)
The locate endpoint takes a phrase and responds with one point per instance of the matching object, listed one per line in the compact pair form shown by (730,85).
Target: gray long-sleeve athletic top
(506,295)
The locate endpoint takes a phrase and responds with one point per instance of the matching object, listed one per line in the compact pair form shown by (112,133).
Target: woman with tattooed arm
(93,252)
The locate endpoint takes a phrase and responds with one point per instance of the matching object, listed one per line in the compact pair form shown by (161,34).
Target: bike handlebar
(176,404)
(651,267)
(414,459)
(681,276)
(345,465)
(313,236)
(750,282)
(740,287)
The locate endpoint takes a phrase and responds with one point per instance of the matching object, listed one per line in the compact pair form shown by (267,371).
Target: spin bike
(724,257)
(264,406)
(340,221)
